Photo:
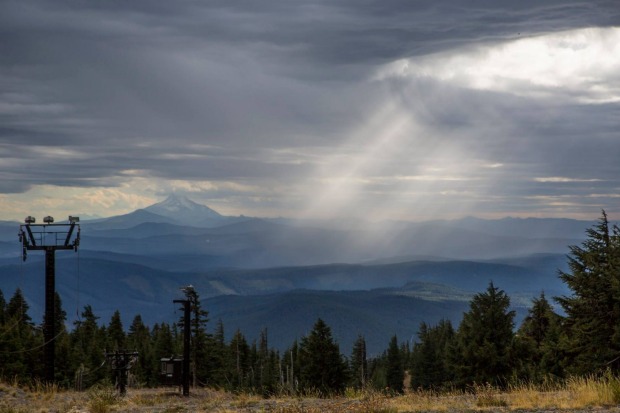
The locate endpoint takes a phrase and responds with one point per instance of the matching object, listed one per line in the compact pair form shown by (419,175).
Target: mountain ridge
(136,263)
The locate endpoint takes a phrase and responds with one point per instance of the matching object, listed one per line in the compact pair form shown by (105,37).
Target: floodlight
(30,220)
(187,288)
(48,219)
(73,220)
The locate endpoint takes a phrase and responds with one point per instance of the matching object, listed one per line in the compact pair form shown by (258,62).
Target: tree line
(485,348)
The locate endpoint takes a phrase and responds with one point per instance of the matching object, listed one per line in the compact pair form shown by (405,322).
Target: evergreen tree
(240,361)
(538,342)
(378,372)
(429,359)
(290,364)
(88,344)
(359,363)
(405,354)
(322,366)
(593,308)
(115,333)
(395,370)
(139,340)
(21,357)
(275,370)
(254,376)
(217,355)
(17,309)
(266,366)
(483,343)
(199,337)
(2,308)
(63,367)
(164,344)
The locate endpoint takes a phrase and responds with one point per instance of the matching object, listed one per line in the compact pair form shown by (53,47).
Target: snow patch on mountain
(184,210)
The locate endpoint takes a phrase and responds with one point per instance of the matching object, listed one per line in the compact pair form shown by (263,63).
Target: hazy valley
(373,279)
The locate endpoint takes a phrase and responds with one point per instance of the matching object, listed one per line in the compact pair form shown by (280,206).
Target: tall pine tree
(593,308)
(539,342)
(322,366)
(239,364)
(483,343)
(115,333)
(395,369)
(429,360)
(199,337)
(359,363)
(88,343)
(21,355)
(63,368)
(139,339)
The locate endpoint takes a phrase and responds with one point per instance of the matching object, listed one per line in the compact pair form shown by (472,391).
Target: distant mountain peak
(183,209)
(176,202)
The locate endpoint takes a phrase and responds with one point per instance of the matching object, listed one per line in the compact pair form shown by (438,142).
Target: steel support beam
(49,332)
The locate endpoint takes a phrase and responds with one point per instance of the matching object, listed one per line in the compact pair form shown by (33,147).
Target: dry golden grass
(575,394)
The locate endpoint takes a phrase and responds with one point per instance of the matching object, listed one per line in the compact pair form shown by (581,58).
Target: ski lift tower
(49,237)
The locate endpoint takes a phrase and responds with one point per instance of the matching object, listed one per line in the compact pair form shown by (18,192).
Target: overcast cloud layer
(387,109)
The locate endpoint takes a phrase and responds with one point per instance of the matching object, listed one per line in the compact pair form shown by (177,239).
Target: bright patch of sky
(581,65)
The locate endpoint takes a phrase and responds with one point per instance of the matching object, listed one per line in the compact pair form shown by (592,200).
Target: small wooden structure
(171,371)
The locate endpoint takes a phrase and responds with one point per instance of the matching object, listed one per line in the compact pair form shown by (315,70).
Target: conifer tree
(217,354)
(88,344)
(395,369)
(63,367)
(115,333)
(240,361)
(289,365)
(199,337)
(593,308)
(266,366)
(2,308)
(17,308)
(429,359)
(359,363)
(254,376)
(139,340)
(21,356)
(483,343)
(538,342)
(163,344)
(322,366)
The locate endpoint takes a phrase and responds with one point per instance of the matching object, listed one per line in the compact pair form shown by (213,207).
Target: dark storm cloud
(558,134)
(91,92)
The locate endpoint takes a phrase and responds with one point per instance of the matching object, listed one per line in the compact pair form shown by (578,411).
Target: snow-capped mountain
(175,210)
(184,211)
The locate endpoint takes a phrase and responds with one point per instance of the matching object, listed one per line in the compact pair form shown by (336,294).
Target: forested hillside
(487,346)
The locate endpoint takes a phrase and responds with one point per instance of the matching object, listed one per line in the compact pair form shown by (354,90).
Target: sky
(380,109)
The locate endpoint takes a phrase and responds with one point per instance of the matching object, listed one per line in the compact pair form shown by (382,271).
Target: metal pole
(123,362)
(49,332)
(186,344)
